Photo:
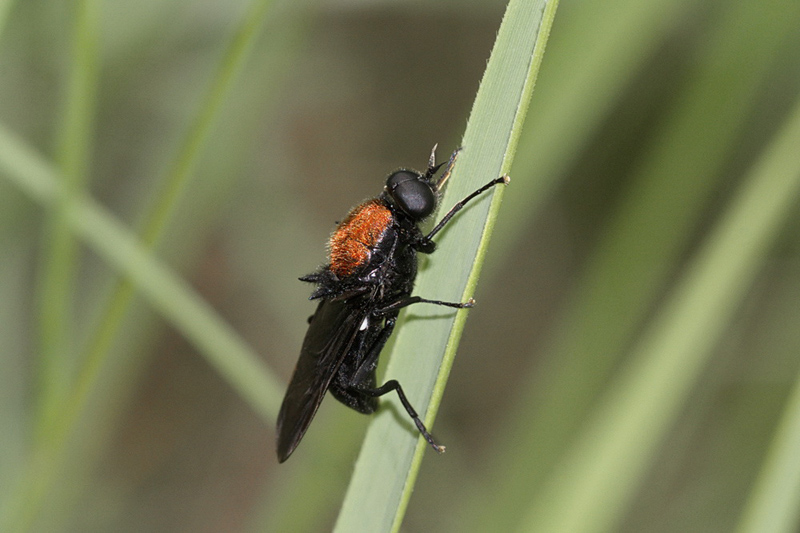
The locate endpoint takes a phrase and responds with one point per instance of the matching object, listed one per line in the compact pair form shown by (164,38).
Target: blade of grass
(56,278)
(50,453)
(390,457)
(648,232)
(13,360)
(580,84)
(5,8)
(177,178)
(168,293)
(773,502)
(598,476)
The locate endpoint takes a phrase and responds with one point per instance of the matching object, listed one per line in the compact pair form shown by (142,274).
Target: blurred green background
(646,123)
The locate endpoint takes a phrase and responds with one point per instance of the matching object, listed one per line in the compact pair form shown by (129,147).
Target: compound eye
(411,193)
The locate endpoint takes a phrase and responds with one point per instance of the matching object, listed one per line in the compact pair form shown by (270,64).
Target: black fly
(373,264)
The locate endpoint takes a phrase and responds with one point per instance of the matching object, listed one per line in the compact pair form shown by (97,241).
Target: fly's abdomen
(352,243)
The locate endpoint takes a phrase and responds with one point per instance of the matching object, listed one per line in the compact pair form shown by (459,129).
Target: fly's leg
(394,385)
(389,313)
(371,360)
(426,242)
(409,300)
(367,366)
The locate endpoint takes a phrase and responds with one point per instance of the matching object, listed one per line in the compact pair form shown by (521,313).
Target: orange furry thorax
(352,243)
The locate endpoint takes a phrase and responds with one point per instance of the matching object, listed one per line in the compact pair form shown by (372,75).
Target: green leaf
(426,341)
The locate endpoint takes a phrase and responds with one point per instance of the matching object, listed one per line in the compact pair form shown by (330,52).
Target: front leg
(426,244)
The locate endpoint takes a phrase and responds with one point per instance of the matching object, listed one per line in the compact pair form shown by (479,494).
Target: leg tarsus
(394,385)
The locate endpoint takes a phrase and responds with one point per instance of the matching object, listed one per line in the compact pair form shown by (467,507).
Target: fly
(369,279)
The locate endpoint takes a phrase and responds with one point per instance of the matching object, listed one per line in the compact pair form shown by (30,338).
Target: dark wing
(328,340)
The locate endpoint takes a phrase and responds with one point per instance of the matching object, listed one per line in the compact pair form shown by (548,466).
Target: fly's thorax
(396,264)
(358,236)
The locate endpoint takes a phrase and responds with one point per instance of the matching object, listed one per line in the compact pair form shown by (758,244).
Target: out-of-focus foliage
(258,124)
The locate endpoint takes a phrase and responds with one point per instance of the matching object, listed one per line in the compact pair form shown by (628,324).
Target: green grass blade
(192,316)
(180,171)
(653,219)
(390,458)
(167,293)
(580,84)
(178,176)
(670,190)
(773,502)
(5,7)
(56,278)
(598,477)
(165,290)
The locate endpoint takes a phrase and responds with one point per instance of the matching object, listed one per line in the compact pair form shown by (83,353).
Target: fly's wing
(328,340)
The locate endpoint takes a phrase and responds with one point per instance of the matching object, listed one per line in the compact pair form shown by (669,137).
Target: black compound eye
(411,193)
